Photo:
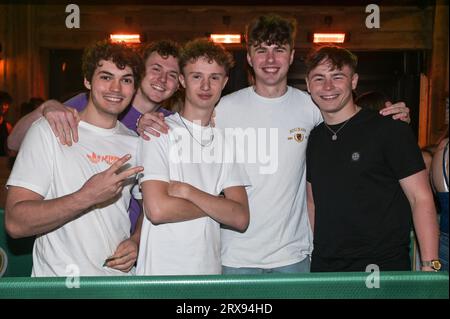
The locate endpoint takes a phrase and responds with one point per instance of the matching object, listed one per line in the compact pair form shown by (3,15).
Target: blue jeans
(302,266)
(443,250)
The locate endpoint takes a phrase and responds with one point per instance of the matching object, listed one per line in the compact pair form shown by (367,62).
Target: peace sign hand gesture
(109,183)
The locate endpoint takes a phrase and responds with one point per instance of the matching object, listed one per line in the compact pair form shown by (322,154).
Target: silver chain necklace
(202,145)
(334,136)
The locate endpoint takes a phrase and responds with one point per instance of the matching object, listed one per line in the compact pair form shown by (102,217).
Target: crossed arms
(177,201)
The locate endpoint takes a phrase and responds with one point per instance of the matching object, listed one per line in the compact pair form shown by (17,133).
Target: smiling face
(270,63)
(111,88)
(204,81)
(161,78)
(330,87)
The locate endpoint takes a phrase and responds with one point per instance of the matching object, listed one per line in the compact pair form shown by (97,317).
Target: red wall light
(127,38)
(225,38)
(329,37)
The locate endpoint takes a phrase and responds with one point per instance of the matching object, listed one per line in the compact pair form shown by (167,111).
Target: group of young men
(214,200)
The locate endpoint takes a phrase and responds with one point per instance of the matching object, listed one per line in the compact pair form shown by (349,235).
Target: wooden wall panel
(401,27)
(27,32)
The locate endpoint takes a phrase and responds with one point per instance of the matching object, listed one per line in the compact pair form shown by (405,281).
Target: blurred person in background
(5,126)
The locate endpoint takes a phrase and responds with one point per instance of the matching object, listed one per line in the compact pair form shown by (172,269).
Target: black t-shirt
(361,211)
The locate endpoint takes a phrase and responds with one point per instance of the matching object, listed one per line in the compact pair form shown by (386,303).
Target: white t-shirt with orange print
(52,170)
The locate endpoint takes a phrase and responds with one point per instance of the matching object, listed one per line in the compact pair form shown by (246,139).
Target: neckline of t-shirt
(193,125)
(100,130)
(271,100)
(353,119)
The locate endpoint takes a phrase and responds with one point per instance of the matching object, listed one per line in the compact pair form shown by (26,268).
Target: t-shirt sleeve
(33,167)
(308,156)
(78,102)
(233,173)
(136,190)
(220,111)
(401,150)
(235,176)
(154,155)
(317,116)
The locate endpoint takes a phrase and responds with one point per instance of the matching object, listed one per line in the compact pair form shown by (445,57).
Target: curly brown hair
(119,53)
(337,56)
(164,48)
(204,47)
(271,29)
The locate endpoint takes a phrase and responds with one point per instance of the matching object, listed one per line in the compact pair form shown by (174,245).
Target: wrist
(431,265)
(83,198)
(135,238)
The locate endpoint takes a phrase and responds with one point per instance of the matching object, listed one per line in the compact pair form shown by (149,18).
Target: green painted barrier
(16,283)
(270,286)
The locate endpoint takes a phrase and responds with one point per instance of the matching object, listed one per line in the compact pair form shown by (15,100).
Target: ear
(307,83)
(355,78)
(225,80)
(87,84)
(181,79)
(291,59)
(249,59)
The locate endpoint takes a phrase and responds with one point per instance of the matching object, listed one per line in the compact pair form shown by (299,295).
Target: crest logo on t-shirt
(355,156)
(95,158)
(297,134)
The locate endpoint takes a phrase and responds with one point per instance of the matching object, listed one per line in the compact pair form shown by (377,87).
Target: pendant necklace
(211,139)
(334,136)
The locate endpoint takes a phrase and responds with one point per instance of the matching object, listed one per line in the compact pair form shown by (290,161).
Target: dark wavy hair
(373,100)
(271,29)
(164,48)
(335,55)
(119,53)
(204,47)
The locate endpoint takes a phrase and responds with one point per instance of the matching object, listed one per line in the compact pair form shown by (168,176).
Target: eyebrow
(109,73)
(105,72)
(259,46)
(315,74)
(194,72)
(161,66)
(339,72)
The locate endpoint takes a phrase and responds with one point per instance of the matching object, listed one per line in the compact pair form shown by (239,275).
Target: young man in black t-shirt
(365,175)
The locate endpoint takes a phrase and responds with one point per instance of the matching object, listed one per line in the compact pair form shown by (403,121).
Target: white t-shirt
(188,247)
(279,233)
(52,170)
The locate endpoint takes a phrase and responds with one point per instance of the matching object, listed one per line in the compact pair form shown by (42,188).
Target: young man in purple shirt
(159,84)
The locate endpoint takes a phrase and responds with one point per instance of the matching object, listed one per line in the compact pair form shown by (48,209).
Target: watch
(435,264)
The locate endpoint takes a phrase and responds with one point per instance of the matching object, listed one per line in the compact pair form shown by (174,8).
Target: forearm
(33,217)
(426,228)
(136,236)
(168,209)
(223,210)
(311,215)
(21,128)
(310,205)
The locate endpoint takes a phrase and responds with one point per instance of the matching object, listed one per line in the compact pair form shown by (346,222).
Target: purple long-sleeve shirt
(128,118)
